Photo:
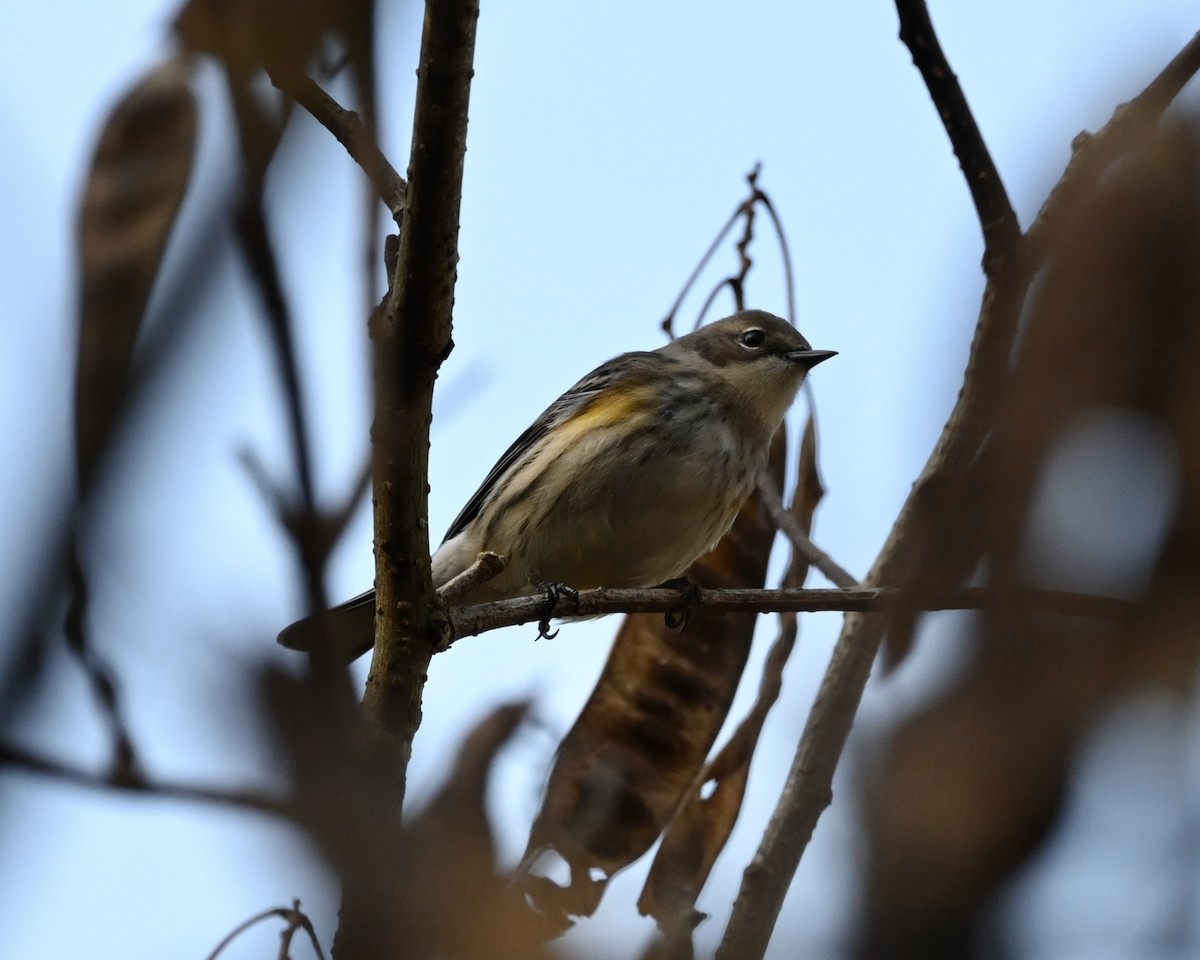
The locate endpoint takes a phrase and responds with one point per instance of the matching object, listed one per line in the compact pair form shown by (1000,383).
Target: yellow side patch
(609,409)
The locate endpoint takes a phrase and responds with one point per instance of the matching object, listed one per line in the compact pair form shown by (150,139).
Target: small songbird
(627,478)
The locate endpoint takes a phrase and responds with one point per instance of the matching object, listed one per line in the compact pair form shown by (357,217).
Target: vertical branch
(412,338)
(1010,260)
(809,786)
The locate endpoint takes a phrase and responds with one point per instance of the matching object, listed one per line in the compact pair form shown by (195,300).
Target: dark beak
(810,358)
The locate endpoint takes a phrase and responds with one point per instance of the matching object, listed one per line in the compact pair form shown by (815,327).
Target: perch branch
(480,618)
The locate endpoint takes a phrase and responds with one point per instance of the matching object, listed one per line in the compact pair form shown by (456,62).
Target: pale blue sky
(607,144)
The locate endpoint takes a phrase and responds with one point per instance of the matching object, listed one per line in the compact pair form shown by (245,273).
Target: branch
(487,566)
(350,131)
(480,618)
(808,789)
(1001,230)
(411,335)
(744,209)
(1092,154)
(19,758)
(296,920)
(791,528)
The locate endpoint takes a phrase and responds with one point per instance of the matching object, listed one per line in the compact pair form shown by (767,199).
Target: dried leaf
(422,889)
(1103,397)
(139,176)
(282,36)
(643,734)
(701,828)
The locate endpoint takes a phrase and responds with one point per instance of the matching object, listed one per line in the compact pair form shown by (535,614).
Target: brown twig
(258,137)
(487,566)
(480,618)
(123,759)
(785,251)
(412,337)
(18,758)
(1092,154)
(350,131)
(296,920)
(668,323)
(735,282)
(786,521)
(996,216)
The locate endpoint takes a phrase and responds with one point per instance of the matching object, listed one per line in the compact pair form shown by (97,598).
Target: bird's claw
(553,592)
(691,603)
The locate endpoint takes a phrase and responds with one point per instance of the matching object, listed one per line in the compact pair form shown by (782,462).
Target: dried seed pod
(645,731)
(140,173)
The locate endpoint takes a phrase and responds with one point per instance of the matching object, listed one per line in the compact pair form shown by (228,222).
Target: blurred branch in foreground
(1011,262)
(1093,484)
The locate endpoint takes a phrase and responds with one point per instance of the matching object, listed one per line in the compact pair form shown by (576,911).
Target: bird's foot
(691,602)
(553,592)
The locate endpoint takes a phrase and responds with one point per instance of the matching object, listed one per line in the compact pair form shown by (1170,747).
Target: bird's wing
(628,366)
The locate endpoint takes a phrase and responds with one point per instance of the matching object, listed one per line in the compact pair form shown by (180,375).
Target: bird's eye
(753,339)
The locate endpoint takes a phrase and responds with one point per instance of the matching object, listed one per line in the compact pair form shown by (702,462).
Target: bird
(627,478)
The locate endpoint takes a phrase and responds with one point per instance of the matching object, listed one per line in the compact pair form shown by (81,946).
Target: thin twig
(259,137)
(296,920)
(786,521)
(480,618)
(736,282)
(19,758)
(668,323)
(997,218)
(487,566)
(123,758)
(785,252)
(350,131)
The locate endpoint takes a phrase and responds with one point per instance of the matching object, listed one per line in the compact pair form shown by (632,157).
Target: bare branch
(487,566)
(296,920)
(1001,231)
(412,337)
(123,761)
(808,789)
(18,758)
(785,252)
(480,618)
(350,131)
(1094,153)
(834,572)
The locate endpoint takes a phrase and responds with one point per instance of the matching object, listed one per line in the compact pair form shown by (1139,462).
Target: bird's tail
(350,627)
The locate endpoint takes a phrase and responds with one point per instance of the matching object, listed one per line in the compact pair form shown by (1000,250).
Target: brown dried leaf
(139,176)
(453,901)
(701,828)
(972,785)
(282,36)
(422,889)
(641,739)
